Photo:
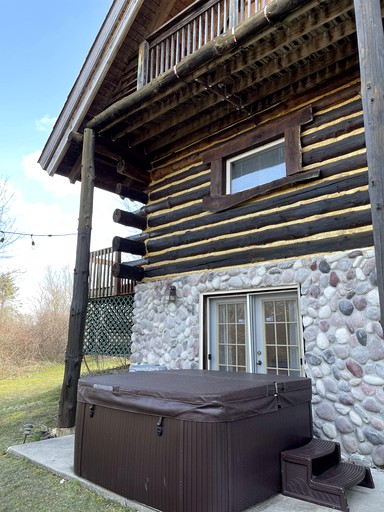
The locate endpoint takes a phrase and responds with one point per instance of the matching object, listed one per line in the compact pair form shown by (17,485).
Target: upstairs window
(257,162)
(256,167)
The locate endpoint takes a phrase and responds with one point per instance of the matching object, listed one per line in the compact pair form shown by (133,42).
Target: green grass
(34,398)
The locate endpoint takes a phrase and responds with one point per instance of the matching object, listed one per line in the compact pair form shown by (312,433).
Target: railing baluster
(172,54)
(177,47)
(162,57)
(166,56)
(189,39)
(182,43)
(157,61)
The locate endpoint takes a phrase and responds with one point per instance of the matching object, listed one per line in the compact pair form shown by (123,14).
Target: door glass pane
(280,311)
(271,356)
(231,335)
(270,333)
(281,335)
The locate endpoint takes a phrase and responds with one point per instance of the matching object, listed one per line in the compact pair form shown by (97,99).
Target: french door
(255,332)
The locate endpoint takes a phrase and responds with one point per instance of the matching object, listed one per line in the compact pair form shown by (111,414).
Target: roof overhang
(107,43)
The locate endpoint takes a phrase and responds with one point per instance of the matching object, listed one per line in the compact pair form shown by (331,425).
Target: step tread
(344,474)
(315,449)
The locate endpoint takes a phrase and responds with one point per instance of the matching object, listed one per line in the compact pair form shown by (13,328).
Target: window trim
(289,127)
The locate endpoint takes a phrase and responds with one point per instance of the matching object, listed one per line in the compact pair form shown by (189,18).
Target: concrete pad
(56,456)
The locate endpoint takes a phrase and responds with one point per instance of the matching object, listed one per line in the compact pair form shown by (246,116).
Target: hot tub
(190,440)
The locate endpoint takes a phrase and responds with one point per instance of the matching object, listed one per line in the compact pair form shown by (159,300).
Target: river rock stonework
(343,338)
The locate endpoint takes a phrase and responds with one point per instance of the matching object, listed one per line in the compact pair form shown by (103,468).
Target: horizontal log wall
(322,215)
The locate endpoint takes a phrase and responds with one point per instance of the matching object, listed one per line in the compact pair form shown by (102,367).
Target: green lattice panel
(108,326)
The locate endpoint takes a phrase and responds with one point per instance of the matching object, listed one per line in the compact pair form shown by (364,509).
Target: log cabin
(250,132)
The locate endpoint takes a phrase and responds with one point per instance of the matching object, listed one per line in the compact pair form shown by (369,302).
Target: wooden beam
(74,352)
(126,271)
(75,173)
(259,53)
(131,193)
(126,169)
(370,36)
(136,158)
(200,118)
(171,81)
(130,219)
(128,245)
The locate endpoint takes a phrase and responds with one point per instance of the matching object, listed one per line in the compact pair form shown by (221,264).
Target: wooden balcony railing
(194,27)
(101,281)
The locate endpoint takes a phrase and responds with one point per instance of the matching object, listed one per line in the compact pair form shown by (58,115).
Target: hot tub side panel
(205,467)
(254,447)
(122,452)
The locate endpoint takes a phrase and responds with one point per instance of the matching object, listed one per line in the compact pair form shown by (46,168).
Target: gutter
(175,78)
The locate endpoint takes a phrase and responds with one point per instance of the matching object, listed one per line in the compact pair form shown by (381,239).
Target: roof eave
(107,43)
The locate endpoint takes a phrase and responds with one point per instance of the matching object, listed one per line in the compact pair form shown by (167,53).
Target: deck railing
(101,281)
(194,27)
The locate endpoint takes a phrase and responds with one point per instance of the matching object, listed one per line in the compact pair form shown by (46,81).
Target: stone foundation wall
(343,338)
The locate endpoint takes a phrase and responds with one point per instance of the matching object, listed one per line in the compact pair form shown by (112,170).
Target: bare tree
(50,311)
(7,223)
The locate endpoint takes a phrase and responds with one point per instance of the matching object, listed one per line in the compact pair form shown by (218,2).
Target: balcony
(189,31)
(101,281)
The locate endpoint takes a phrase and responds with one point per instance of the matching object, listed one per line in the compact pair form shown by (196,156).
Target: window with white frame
(257,162)
(256,167)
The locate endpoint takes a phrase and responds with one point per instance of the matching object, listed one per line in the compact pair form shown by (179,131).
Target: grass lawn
(34,398)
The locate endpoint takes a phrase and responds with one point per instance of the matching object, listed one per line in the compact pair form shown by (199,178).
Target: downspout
(370,38)
(244,33)
(76,329)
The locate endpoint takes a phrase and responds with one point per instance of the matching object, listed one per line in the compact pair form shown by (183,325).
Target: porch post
(74,352)
(371,56)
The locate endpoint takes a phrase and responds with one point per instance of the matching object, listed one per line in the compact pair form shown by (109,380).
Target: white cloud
(58,186)
(45,123)
(52,209)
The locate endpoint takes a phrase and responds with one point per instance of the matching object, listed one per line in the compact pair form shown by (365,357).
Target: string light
(3,233)
(31,234)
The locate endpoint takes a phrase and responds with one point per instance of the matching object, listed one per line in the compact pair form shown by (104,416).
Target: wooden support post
(74,353)
(370,37)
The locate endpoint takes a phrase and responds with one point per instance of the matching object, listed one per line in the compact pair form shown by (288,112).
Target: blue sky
(44,44)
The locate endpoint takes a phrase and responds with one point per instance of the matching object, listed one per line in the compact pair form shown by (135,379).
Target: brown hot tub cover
(195,395)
